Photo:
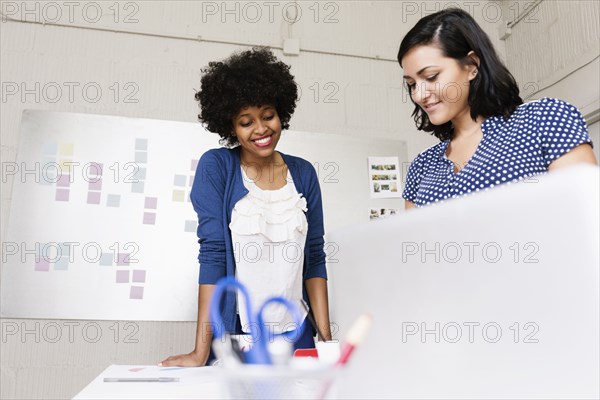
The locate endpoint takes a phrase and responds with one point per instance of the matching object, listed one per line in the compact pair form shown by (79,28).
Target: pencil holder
(250,381)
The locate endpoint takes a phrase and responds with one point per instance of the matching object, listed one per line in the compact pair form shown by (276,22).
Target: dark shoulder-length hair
(493,91)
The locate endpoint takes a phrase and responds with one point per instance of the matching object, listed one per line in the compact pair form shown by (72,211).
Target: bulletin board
(101,225)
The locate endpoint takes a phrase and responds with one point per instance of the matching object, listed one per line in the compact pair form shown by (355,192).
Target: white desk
(203,383)
(194,383)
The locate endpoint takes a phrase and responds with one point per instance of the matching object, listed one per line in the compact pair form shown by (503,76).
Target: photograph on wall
(379,213)
(384,177)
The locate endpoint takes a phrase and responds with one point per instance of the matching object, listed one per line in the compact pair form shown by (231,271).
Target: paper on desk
(194,383)
(154,371)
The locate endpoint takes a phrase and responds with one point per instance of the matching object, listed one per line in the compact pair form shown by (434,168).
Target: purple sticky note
(149,218)
(123,276)
(122,259)
(150,203)
(95,184)
(194,165)
(139,276)
(42,265)
(94,169)
(136,292)
(93,198)
(62,195)
(63,181)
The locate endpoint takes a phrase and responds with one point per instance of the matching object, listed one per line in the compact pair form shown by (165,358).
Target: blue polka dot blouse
(536,134)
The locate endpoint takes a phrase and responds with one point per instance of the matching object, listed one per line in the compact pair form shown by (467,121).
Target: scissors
(259,332)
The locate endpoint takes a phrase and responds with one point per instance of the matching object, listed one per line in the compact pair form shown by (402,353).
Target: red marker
(354,338)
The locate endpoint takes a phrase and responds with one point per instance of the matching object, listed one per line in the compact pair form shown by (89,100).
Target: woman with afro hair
(260,216)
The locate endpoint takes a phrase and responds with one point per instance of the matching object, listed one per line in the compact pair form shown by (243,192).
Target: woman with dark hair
(466,97)
(255,203)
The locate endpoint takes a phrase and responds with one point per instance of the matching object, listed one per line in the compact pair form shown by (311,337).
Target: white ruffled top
(268,230)
(276,214)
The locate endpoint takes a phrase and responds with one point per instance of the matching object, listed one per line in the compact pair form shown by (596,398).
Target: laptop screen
(490,295)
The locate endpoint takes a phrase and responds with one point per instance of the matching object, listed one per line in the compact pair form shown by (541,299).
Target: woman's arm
(582,153)
(319,303)
(199,355)
(207,199)
(408,204)
(315,275)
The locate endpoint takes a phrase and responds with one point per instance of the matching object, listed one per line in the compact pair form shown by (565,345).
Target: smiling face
(438,84)
(258,130)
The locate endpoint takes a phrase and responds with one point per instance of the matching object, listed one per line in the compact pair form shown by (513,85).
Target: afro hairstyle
(248,78)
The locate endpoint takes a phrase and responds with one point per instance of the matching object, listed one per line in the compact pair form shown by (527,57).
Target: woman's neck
(465,127)
(261,162)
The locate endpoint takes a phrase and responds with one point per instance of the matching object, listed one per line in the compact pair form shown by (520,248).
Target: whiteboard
(101,226)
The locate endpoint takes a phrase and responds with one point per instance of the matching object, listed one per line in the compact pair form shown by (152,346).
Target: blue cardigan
(218,186)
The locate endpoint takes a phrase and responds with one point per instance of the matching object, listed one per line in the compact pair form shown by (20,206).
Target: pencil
(161,379)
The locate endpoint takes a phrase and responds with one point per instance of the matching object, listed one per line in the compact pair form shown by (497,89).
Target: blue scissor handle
(259,353)
(223,284)
(292,309)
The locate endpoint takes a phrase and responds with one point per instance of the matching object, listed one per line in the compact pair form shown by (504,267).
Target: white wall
(160,56)
(554,51)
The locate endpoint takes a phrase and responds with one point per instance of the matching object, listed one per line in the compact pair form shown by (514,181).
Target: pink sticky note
(95,184)
(139,276)
(136,292)
(123,259)
(64,181)
(150,202)
(62,195)
(149,218)
(42,265)
(95,169)
(93,198)
(122,276)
